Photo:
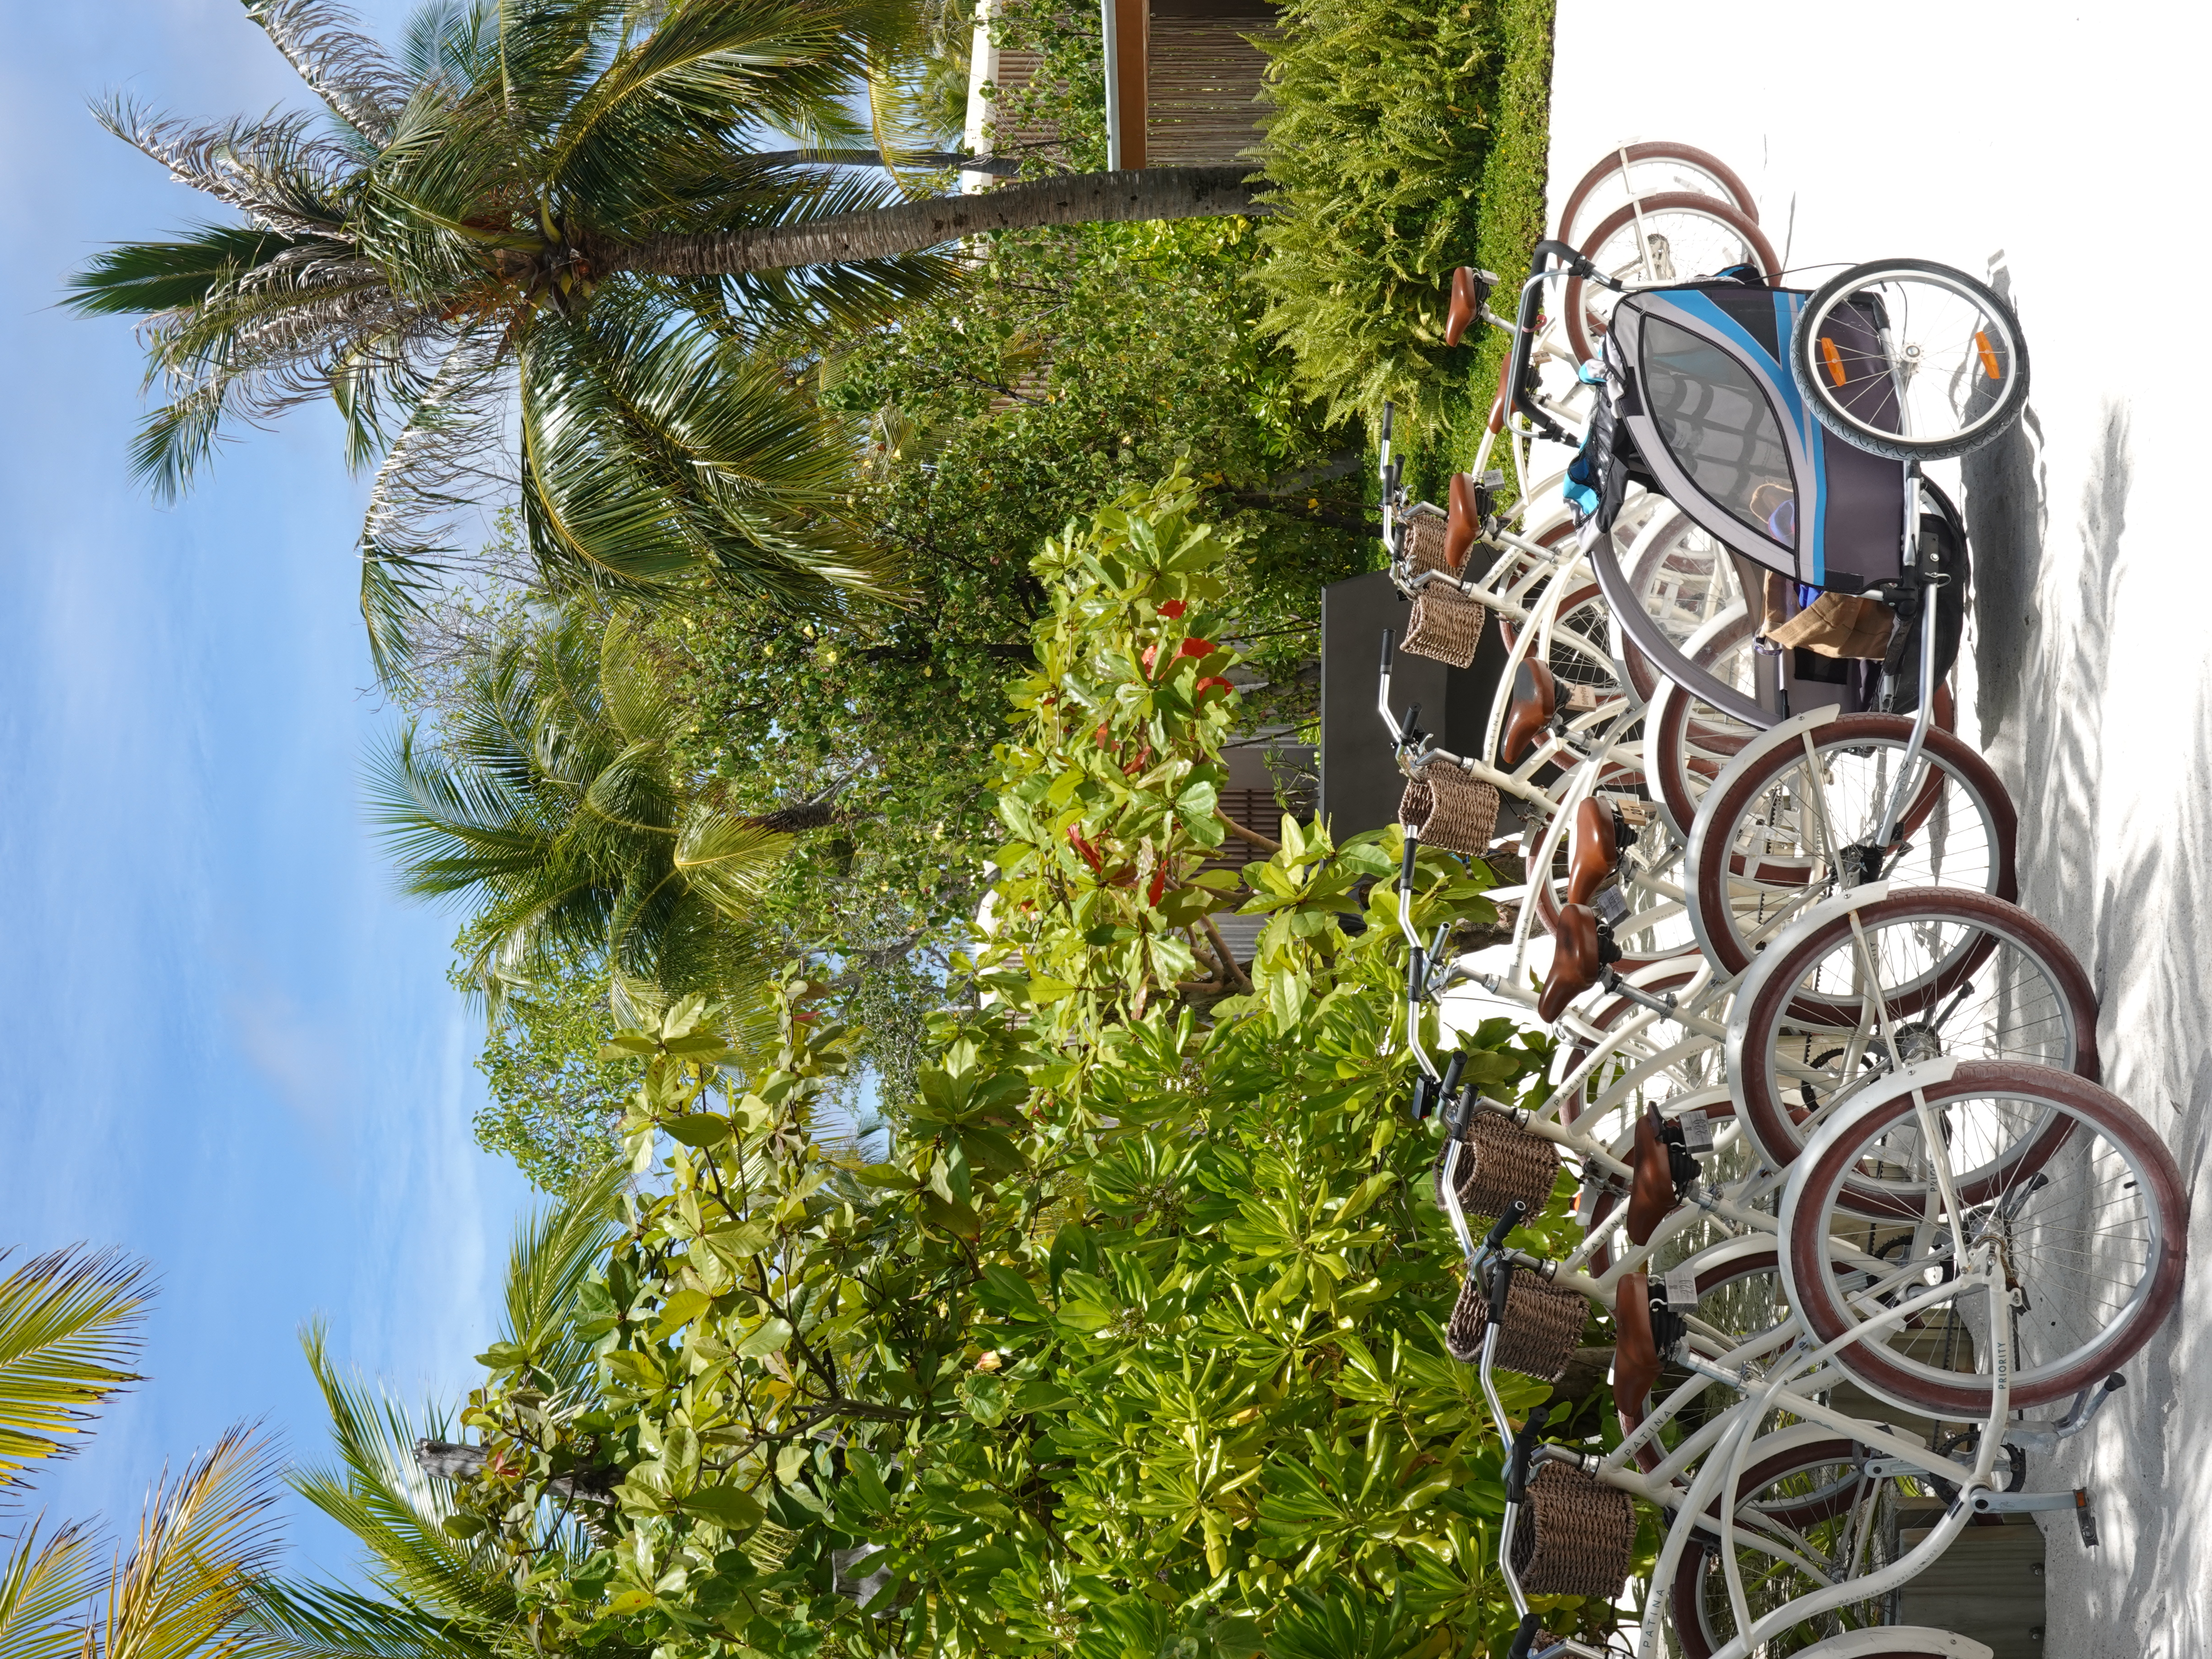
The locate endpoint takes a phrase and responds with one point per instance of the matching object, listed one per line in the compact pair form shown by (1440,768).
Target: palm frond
(449,43)
(679,97)
(201,1541)
(554,1253)
(727,859)
(139,279)
(379,1493)
(639,702)
(445,463)
(433,209)
(68,1332)
(344,68)
(651,458)
(270,168)
(44,1578)
(454,829)
(325,1621)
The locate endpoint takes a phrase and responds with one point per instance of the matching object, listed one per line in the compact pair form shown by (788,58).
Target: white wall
(2060,149)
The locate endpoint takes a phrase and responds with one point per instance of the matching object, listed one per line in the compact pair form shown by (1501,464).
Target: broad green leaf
(700,1129)
(729,1507)
(770,1335)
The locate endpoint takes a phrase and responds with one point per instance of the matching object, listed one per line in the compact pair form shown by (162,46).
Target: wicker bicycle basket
(1538,1335)
(1576,1536)
(1499,1164)
(1425,526)
(1446,625)
(1448,809)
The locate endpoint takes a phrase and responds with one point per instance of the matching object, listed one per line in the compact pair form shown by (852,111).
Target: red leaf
(1173,610)
(1159,886)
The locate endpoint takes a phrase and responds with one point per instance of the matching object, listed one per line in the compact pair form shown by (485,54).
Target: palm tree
(546,795)
(557,215)
(69,1333)
(435,1591)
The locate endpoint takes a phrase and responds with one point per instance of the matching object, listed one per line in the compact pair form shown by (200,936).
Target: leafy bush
(1132,1344)
(555,1098)
(1078,362)
(1406,139)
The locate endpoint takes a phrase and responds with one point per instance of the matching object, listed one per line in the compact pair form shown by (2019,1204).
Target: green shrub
(1130,1346)
(1076,363)
(1406,139)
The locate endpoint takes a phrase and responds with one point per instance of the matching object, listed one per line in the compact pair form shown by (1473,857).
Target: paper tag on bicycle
(1681,1286)
(1609,904)
(1696,1131)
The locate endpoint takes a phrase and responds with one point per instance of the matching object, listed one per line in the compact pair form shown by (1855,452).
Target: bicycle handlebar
(1521,376)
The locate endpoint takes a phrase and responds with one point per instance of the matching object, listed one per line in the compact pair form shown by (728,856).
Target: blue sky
(225,1042)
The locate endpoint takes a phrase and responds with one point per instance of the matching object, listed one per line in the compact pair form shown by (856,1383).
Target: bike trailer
(1702,409)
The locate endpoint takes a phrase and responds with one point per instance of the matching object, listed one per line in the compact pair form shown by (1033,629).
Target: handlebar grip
(1389,408)
(1523,1639)
(1390,648)
(1516,1467)
(1452,1070)
(1506,1224)
(1501,1288)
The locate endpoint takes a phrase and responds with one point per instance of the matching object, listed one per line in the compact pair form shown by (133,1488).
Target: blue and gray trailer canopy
(1704,408)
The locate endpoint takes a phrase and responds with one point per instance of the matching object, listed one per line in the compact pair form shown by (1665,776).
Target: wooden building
(1187,87)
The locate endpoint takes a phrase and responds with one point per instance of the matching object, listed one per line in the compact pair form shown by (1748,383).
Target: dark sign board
(1360,782)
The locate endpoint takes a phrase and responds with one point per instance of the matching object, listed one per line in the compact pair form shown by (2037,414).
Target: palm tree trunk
(874,158)
(1082,198)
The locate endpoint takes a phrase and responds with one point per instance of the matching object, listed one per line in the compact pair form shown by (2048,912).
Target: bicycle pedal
(2085,1517)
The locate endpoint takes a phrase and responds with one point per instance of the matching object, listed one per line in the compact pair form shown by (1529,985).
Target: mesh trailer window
(1715,421)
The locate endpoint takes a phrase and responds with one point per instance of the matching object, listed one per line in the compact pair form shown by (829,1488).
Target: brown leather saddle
(1582,948)
(1636,1357)
(1601,835)
(1652,1193)
(1528,710)
(1462,522)
(1466,308)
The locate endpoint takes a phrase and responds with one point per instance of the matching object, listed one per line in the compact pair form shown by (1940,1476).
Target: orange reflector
(1988,357)
(1833,358)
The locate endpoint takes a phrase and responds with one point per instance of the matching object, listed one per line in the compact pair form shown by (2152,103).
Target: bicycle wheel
(1798,814)
(1659,167)
(1737,1285)
(1676,582)
(1910,360)
(1578,643)
(1688,743)
(1899,1642)
(1661,240)
(1928,972)
(2091,1228)
(1805,1519)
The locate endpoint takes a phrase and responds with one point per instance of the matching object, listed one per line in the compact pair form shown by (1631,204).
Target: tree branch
(1228,956)
(1241,834)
